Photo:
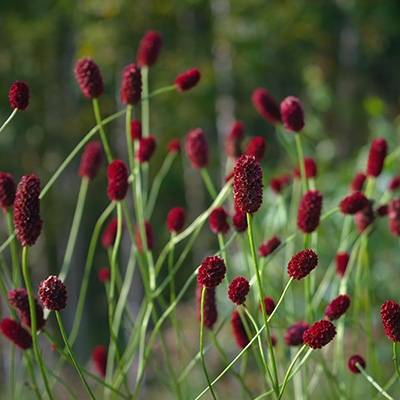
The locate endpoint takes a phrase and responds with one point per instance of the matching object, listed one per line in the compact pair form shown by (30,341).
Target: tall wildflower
(131,87)
(149,49)
(197,148)
(266,105)
(7,190)
(309,211)
(19,95)
(89,78)
(91,160)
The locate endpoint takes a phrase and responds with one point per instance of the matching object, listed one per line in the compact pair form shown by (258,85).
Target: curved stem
(8,120)
(373,383)
(395,359)
(156,92)
(103,136)
(208,182)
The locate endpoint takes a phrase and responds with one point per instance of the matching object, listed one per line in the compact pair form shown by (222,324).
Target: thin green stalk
(74,229)
(145,108)
(8,120)
(103,136)
(31,370)
(14,255)
(373,383)
(156,92)
(7,242)
(129,142)
(395,154)
(395,359)
(32,310)
(64,336)
(301,162)
(12,371)
(370,186)
(289,149)
(208,182)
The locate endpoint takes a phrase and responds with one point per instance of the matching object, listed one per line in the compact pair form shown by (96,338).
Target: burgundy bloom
(337,307)
(364,218)
(234,140)
(310,168)
(395,183)
(131,87)
(247,184)
(7,190)
(269,305)
(294,334)
(239,221)
(176,219)
(390,314)
(19,95)
(117,175)
(239,331)
(109,234)
(211,271)
(210,307)
(268,247)
(99,358)
(27,221)
(342,259)
(13,331)
(352,363)
(147,147)
(302,264)
(197,148)
(266,105)
(53,293)
(187,80)
(292,114)
(91,160)
(218,220)
(149,49)
(279,183)
(353,203)
(104,274)
(382,210)
(358,182)
(238,290)
(256,147)
(394,216)
(174,146)
(376,157)
(149,236)
(273,341)
(89,78)
(319,334)
(136,129)
(309,211)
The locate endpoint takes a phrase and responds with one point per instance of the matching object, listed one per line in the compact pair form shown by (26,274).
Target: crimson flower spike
(149,49)
(89,78)
(19,95)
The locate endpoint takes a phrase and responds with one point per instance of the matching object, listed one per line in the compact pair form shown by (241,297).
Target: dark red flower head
(279,183)
(302,264)
(109,234)
(117,175)
(53,293)
(238,290)
(239,331)
(19,95)
(91,160)
(337,307)
(104,274)
(210,307)
(218,220)
(353,203)
(89,78)
(352,363)
(341,259)
(393,210)
(149,236)
(187,80)
(256,147)
(211,271)
(390,315)
(364,218)
(149,49)
(131,87)
(13,331)
(376,157)
(239,221)
(395,183)
(292,114)
(382,210)
(358,182)
(319,334)
(269,305)
(174,146)
(7,190)
(197,148)
(309,211)
(266,105)
(27,221)
(310,167)
(147,146)
(136,129)
(99,358)
(247,184)
(269,246)
(294,334)
(176,219)
(234,140)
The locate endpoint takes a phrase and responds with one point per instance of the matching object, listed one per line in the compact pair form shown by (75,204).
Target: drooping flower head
(117,175)
(99,358)
(197,148)
(319,334)
(187,80)
(91,161)
(269,305)
(19,95)
(269,246)
(292,114)
(353,203)
(234,140)
(352,363)
(7,190)
(376,157)
(149,49)
(294,334)
(174,146)
(390,315)
(53,293)
(310,167)
(238,290)
(14,332)
(210,306)
(341,259)
(89,78)
(337,307)
(131,87)
(247,184)
(27,221)
(266,105)
(218,220)
(238,329)
(136,129)
(302,264)
(176,219)
(149,236)
(309,211)
(256,147)
(211,271)
(147,146)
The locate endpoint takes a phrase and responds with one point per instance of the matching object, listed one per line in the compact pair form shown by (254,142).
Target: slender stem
(289,149)
(103,136)
(156,92)
(32,374)
(32,310)
(8,120)
(64,336)
(395,359)
(129,142)
(370,186)
(373,383)
(12,371)
(14,254)
(301,162)
(208,182)
(392,157)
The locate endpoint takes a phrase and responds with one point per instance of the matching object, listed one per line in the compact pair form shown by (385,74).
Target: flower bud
(302,264)
(256,147)
(234,140)
(149,237)
(310,168)
(197,148)
(174,146)
(239,331)
(7,190)
(309,211)
(376,157)
(211,271)
(268,247)
(117,175)
(176,219)
(14,332)
(53,293)
(238,290)
(292,114)
(352,363)
(266,105)
(131,87)
(89,78)
(337,307)
(147,146)
(136,129)
(210,307)
(218,220)
(358,182)
(99,358)
(187,80)
(149,49)
(294,334)
(319,334)
(341,259)
(19,95)
(91,160)
(353,203)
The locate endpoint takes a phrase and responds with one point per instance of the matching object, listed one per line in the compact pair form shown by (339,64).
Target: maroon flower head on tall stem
(234,140)
(53,293)
(7,190)
(376,158)
(247,184)
(109,234)
(187,80)
(337,307)
(149,236)
(131,87)
(149,49)
(14,332)
(358,182)
(302,264)
(238,290)
(353,203)
(197,148)
(292,114)
(341,260)
(89,78)
(147,146)
(390,315)
(91,161)
(269,305)
(176,219)
(256,147)
(136,129)
(319,334)
(27,221)
(117,175)
(266,105)
(310,167)
(279,183)
(269,246)
(174,146)
(310,208)
(239,331)
(211,271)
(99,358)
(210,306)
(19,95)
(294,334)
(364,218)
(351,365)
(218,220)
(239,221)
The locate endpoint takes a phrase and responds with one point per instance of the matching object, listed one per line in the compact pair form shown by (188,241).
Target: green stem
(14,254)
(8,120)
(208,182)
(32,374)
(289,149)
(392,157)
(370,186)
(395,359)
(12,371)
(129,142)
(64,336)
(301,162)
(103,136)
(156,92)
(373,383)
(32,310)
